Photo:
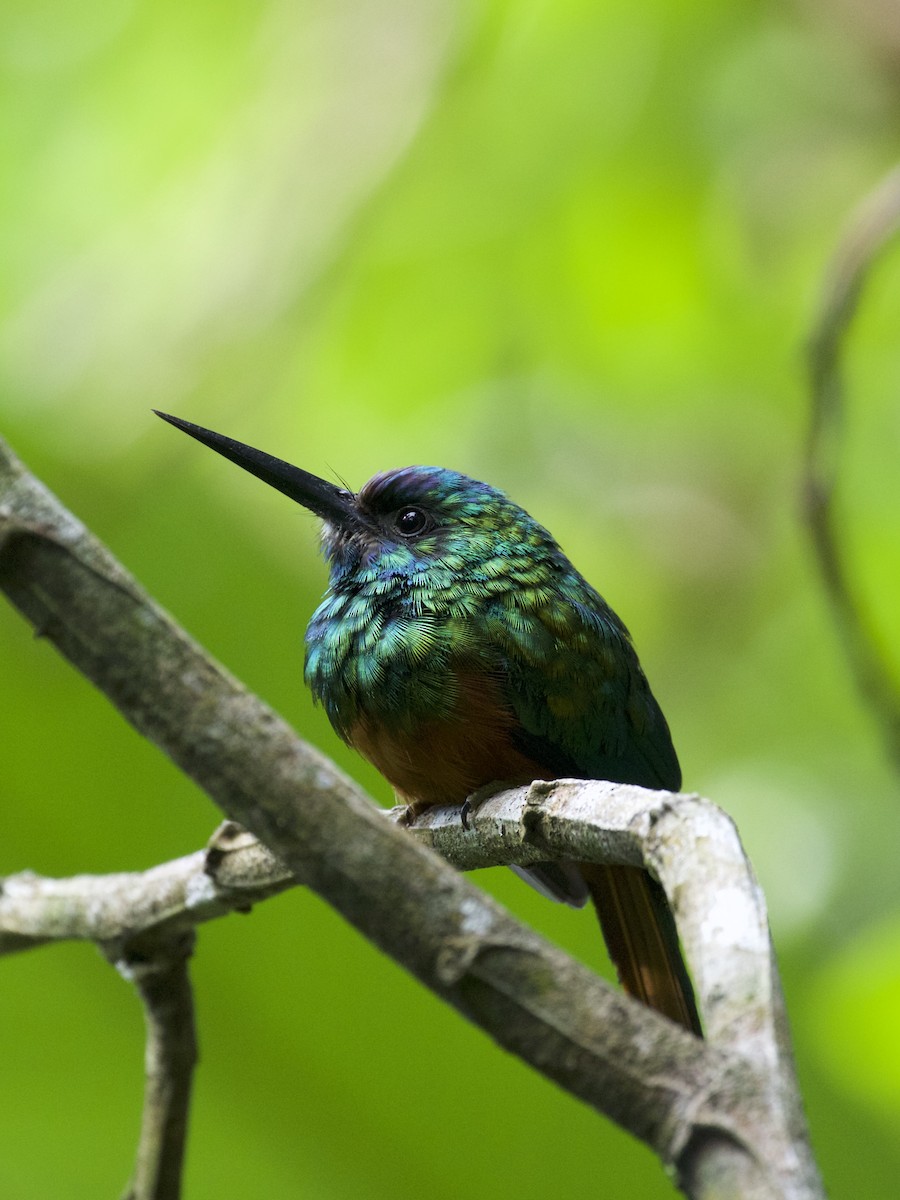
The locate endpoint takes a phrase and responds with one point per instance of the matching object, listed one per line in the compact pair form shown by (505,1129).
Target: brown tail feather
(642,940)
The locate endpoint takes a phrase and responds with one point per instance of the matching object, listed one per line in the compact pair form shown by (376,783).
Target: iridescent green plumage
(482,588)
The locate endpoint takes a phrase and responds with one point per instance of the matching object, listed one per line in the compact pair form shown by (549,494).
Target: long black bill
(325,499)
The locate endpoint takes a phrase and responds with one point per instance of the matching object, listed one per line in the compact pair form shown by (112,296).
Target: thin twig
(158,968)
(232,874)
(870,228)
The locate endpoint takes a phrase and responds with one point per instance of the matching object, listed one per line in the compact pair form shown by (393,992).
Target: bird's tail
(642,940)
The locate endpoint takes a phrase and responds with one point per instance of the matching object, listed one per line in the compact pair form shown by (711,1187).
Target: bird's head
(404,522)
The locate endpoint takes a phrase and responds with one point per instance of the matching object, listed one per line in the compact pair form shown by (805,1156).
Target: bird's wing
(584,709)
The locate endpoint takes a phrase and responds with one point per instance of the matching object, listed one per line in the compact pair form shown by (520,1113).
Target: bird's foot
(478,797)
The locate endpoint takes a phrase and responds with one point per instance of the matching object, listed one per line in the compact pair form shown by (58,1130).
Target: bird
(458,649)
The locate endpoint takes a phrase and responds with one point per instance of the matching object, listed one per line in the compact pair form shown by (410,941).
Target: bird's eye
(410,521)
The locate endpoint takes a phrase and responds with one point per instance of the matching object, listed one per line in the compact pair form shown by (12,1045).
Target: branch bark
(158,968)
(233,873)
(717,1117)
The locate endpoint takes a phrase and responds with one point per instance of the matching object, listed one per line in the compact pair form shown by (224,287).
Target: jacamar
(456,646)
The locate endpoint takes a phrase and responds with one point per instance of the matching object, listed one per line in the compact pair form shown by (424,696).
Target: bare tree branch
(714,1116)
(871,227)
(158,967)
(233,873)
(689,844)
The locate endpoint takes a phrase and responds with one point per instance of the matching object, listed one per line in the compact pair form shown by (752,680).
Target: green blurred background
(573,248)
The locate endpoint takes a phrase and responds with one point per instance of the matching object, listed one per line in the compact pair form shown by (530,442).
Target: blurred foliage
(572,248)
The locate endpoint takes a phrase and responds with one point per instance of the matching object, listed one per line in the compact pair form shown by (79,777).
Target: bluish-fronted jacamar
(457,646)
